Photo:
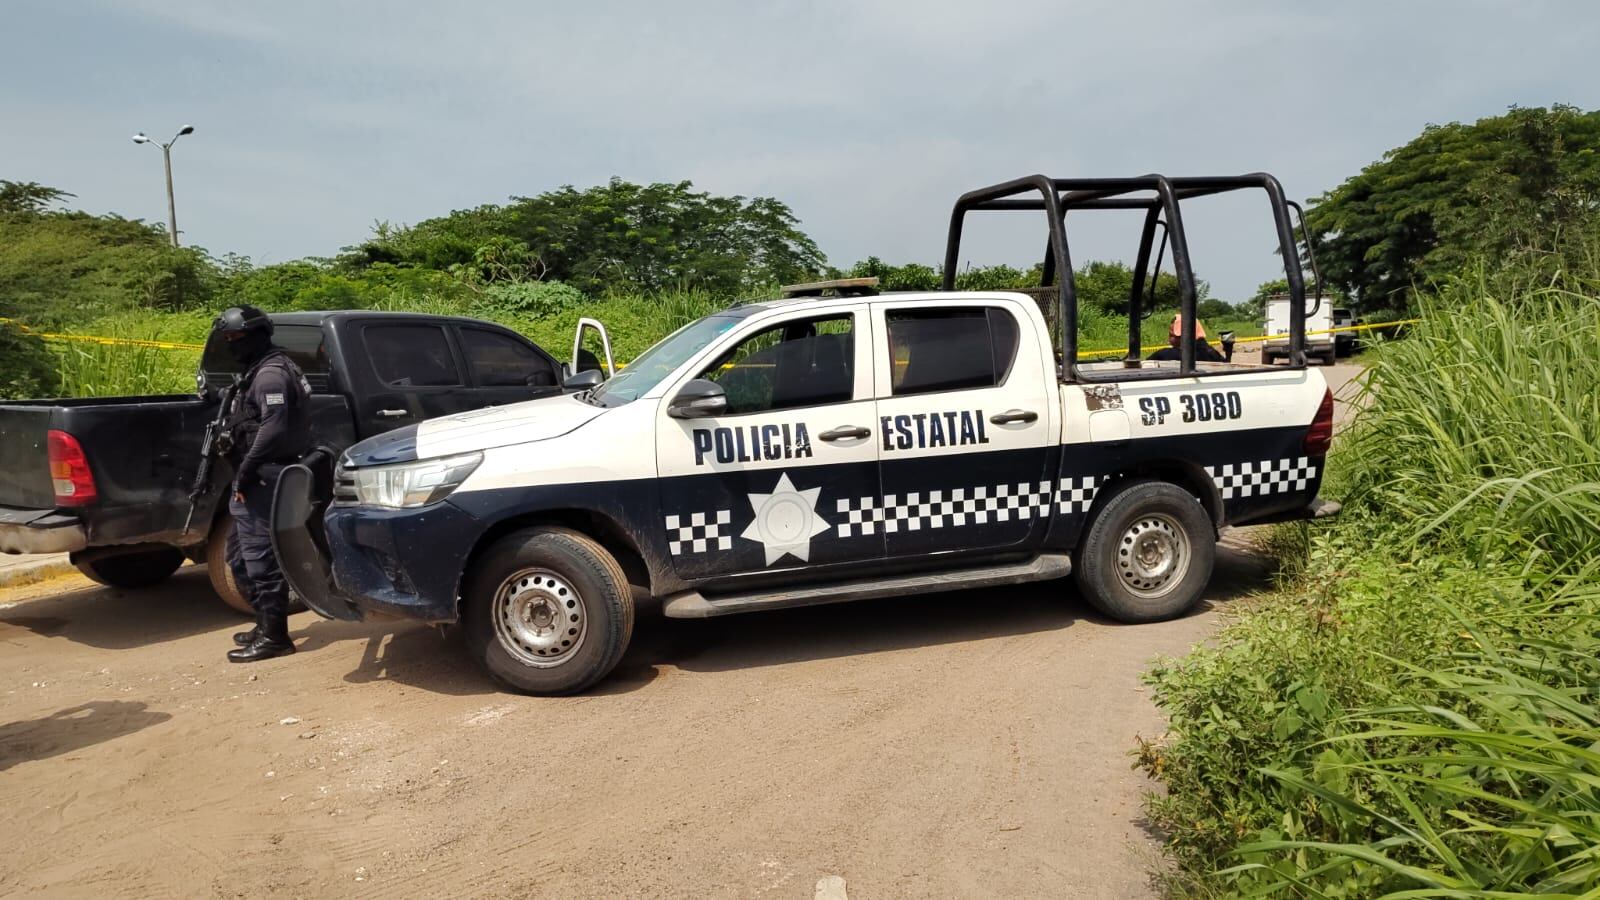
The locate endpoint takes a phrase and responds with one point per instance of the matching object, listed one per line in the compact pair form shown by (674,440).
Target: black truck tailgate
(142,452)
(24,461)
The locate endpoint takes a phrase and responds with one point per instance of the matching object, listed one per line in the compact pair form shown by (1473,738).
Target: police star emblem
(786,521)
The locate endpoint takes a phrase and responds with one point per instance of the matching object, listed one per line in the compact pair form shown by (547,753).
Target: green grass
(1415,714)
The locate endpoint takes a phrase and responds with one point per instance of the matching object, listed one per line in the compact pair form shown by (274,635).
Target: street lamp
(166,155)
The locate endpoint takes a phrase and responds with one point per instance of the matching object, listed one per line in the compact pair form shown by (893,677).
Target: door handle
(845,431)
(392,413)
(1014,415)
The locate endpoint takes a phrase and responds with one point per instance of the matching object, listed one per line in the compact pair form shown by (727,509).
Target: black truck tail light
(70,476)
(1320,435)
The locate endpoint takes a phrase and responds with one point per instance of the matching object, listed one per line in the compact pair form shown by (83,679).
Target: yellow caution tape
(105,341)
(1256,339)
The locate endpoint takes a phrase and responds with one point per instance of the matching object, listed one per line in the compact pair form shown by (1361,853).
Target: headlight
(413,484)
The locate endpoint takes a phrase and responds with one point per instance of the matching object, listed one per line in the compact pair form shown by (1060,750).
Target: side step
(695,605)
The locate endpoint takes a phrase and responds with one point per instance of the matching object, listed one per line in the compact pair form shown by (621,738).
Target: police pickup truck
(818,449)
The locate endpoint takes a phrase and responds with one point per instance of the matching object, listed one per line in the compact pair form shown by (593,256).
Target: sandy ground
(963,744)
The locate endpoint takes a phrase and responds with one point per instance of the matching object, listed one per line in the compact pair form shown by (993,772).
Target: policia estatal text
(269,424)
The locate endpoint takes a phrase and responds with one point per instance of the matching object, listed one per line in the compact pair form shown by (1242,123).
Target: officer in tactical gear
(269,422)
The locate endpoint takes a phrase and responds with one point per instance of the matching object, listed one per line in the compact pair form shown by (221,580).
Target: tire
(218,570)
(519,592)
(221,574)
(132,570)
(1170,525)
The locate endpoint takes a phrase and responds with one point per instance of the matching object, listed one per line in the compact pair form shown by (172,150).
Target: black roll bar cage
(1058,196)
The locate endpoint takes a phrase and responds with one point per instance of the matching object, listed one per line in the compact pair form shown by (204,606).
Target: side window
(498,360)
(303,343)
(411,355)
(950,349)
(805,362)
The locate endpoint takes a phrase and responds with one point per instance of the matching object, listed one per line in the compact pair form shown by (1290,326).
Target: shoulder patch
(273,400)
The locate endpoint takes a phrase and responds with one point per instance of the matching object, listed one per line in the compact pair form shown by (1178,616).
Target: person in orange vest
(1203,352)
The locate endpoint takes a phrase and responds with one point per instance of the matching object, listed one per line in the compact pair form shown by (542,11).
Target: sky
(314,120)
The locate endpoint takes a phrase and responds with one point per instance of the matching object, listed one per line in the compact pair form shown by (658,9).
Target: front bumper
(393,562)
(40,531)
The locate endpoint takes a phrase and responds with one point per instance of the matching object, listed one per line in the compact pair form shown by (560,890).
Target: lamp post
(166,156)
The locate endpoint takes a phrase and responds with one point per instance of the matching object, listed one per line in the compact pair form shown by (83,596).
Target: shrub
(26,367)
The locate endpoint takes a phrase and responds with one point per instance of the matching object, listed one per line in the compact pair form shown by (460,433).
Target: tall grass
(1488,420)
(1415,716)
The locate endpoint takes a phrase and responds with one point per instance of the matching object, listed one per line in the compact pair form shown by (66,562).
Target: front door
(414,375)
(504,368)
(788,475)
(966,422)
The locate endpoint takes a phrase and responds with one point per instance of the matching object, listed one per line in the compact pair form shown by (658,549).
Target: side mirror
(584,381)
(698,399)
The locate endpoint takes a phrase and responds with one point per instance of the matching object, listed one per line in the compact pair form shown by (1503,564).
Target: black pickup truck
(108,479)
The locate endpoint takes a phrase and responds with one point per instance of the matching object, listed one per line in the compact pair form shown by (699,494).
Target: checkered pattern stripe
(699,532)
(1258,479)
(958,507)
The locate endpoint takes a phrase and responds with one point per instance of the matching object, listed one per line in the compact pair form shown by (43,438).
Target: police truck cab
(818,449)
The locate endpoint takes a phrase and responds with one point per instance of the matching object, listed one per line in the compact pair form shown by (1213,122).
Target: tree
(55,265)
(28,197)
(1106,286)
(616,236)
(1503,185)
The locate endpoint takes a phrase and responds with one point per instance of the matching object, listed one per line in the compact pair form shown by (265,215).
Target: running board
(695,605)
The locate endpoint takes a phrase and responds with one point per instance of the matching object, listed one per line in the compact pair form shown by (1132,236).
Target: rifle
(217,442)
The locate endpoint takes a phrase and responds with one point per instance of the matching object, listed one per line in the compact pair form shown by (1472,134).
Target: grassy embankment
(634,322)
(1417,710)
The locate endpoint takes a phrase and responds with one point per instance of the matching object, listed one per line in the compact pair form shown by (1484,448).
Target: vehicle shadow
(874,626)
(121,619)
(422,656)
(74,728)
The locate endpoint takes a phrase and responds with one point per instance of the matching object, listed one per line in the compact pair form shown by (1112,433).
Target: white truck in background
(1319,334)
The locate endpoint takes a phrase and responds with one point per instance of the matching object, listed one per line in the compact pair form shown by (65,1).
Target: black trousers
(254,564)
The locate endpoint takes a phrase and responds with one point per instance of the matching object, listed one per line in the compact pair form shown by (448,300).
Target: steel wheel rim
(1153,556)
(539,618)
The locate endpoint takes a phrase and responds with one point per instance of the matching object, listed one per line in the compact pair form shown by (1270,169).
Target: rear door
(966,426)
(413,372)
(780,481)
(505,368)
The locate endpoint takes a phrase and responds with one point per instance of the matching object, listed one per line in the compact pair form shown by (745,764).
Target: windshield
(663,359)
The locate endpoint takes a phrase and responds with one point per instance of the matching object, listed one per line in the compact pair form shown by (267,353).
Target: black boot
(246,638)
(263,647)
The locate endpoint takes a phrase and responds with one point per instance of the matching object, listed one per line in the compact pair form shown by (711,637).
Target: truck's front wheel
(132,570)
(548,611)
(1148,553)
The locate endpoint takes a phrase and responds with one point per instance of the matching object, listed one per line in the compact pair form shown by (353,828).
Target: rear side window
(950,349)
(499,360)
(303,343)
(411,355)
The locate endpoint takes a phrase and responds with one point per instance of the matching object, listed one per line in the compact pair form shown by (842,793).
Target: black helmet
(237,319)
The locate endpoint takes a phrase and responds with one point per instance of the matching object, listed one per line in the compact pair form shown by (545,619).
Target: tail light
(1320,435)
(69,470)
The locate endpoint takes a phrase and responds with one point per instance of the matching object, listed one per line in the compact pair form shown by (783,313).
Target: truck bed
(142,451)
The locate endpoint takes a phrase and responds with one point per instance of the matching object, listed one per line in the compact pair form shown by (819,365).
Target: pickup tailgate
(24,460)
(142,452)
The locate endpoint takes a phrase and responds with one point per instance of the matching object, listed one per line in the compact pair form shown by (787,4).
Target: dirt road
(961,744)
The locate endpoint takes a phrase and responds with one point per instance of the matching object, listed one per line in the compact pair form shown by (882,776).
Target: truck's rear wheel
(1148,553)
(548,611)
(218,570)
(221,574)
(132,570)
